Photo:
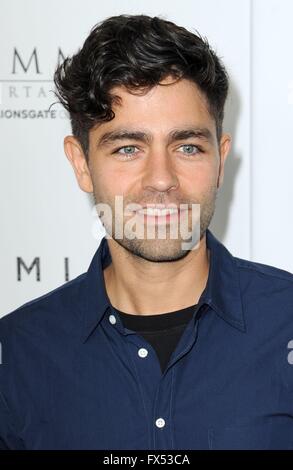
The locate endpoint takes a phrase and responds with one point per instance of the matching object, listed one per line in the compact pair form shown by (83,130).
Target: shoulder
(266,291)
(55,305)
(264,271)
(260,276)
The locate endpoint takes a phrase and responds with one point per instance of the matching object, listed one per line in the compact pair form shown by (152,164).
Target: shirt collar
(222,291)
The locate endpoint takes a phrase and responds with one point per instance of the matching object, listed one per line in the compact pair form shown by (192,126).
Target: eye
(128,150)
(191,149)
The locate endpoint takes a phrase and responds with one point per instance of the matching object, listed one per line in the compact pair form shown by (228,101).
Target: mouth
(161,215)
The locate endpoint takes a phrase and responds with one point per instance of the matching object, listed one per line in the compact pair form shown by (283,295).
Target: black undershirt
(162,331)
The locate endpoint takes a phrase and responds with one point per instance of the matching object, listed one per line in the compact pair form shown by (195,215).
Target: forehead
(168,99)
(158,110)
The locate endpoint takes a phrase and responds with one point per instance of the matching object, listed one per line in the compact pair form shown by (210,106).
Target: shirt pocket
(260,436)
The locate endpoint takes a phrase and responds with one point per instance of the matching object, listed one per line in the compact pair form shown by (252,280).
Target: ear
(77,159)
(225,145)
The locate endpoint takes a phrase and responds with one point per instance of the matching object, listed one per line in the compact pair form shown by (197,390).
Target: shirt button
(160,423)
(112,319)
(142,352)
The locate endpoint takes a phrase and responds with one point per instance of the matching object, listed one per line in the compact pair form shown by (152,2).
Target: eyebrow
(139,135)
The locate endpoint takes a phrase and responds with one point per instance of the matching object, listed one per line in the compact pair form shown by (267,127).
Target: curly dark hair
(138,52)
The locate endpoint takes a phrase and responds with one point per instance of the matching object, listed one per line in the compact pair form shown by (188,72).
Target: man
(157,346)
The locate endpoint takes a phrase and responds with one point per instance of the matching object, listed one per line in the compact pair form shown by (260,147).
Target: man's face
(161,170)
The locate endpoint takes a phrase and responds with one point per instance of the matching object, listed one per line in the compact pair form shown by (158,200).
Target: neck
(149,288)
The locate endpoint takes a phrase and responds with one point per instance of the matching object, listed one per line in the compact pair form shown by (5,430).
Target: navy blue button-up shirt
(72,377)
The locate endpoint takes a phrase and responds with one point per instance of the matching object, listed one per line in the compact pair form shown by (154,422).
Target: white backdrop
(47,221)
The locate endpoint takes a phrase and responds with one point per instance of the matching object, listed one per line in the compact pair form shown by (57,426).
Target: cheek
(199,179)
(112,179)
(109,182)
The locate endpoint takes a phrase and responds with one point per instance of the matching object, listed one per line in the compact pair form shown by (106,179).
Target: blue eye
(192,147)
(124,148)
(128,150)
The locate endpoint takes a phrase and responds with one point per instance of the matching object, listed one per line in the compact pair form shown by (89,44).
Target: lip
(161,206)
(161,219)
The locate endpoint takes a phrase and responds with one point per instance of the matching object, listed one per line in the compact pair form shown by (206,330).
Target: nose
(160,174)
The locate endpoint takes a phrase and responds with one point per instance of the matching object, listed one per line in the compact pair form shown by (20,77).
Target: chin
(157,251)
